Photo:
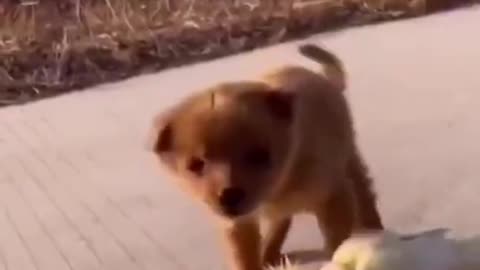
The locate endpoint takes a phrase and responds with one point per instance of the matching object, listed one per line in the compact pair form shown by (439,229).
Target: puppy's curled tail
(334,70)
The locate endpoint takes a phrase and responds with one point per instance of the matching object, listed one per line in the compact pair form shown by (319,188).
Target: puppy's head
(228,145)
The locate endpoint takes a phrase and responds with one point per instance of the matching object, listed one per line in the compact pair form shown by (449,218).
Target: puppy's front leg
(242,243)
(276,234)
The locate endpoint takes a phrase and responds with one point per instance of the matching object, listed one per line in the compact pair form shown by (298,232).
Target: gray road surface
(78,191)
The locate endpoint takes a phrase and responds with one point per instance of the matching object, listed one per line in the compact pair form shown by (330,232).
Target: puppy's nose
(232,198)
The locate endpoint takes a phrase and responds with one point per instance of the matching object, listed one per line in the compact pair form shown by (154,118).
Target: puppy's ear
(164,139)
(160,139)
(280,104)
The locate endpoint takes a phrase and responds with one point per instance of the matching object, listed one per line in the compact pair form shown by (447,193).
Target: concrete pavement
(78,191)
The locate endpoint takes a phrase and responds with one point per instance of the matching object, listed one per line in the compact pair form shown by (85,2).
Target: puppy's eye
(196,165)
(257,157)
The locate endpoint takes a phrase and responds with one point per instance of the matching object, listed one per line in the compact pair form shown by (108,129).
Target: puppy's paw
(275,259)
(284,264)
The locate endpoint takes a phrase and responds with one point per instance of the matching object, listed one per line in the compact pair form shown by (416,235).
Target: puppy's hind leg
(368,214)
(336,219)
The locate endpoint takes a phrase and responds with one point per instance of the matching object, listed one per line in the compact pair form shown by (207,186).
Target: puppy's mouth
(237,212)
(233,212)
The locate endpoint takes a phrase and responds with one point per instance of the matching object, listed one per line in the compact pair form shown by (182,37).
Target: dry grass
(49,47)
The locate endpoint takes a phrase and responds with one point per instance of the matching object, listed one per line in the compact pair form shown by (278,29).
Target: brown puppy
(265,150)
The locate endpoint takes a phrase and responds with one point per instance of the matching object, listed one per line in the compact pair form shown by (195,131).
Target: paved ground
(79,192)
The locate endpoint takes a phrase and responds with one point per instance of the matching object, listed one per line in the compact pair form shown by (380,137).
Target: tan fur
(265,150)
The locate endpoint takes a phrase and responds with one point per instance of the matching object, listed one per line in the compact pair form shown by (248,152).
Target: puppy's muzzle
(232,201)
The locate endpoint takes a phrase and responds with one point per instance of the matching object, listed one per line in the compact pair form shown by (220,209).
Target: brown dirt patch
(50,47)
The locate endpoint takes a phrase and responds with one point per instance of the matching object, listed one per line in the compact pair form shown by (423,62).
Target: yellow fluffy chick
(430,250)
